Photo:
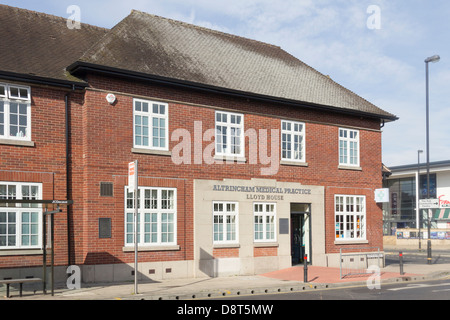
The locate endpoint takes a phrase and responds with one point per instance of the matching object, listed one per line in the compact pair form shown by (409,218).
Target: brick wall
(101,137)
(44,163)
(374,219)
(110,132)
(225,253)
(265,252)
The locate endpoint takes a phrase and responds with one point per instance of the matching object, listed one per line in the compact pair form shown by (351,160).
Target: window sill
(351,242)
(19,143)
(153,248)
(227,158)
(20,252)
(294,163)
(226,245)
(344,167)
(265,244)
(152,152)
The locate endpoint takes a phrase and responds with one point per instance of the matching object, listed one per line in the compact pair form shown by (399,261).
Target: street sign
(133,187)
(429,203)
(131,176)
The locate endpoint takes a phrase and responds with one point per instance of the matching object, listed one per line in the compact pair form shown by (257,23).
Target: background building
(406,189)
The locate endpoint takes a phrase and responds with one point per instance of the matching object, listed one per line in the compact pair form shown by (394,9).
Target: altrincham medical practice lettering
(249,189)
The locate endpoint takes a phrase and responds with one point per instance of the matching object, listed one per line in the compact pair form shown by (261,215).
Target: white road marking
(419,286)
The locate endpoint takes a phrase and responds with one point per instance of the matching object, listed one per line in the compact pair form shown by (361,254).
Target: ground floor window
(20,224)
(225,216)
(350,217)
(264,215)
(157,216)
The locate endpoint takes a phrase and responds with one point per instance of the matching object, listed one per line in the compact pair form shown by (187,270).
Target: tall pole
(52,241)
(44,252)
(136,228)
(419,222)
(428,163)
(433,59)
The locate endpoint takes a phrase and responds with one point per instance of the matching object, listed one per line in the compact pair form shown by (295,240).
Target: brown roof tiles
(37,44)
(146,44)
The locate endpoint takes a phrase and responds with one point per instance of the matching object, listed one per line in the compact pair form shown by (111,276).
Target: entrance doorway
(300,232)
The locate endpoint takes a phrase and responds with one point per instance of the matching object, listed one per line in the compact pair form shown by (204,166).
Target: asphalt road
(424,290)
(427,290)
(417,257)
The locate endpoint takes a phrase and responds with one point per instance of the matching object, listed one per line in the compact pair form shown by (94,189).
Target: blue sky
(383,65)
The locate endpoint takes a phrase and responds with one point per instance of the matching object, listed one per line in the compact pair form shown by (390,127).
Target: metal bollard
(400,257)
(429,251)
(305,268)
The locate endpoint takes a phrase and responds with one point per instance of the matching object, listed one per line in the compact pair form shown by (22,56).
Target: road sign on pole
(133,186)
(429,203)
(132,172)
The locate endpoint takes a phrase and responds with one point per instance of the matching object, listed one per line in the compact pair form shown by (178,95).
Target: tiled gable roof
(41,45)
(157,46)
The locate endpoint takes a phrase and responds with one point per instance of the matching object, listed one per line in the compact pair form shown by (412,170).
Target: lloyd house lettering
(269,193)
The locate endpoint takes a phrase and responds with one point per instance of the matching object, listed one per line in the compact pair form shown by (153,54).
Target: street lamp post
(418,197)
(433,59)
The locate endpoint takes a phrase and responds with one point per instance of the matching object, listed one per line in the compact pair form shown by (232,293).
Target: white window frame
(348,139)
(263,213)
(151,116)
(350,218)
(19,210)
(7,99)
(229,125)
(223,225)
(290,130)
(148,208)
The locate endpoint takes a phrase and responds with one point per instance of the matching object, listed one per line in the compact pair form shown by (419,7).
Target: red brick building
(248,158)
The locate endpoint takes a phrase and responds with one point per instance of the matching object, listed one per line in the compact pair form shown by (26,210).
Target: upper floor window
(348,147)
(229,134)
(292,141)
(150,125)
(15,114)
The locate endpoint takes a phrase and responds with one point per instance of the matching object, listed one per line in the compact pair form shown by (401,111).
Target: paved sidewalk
(286,280)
